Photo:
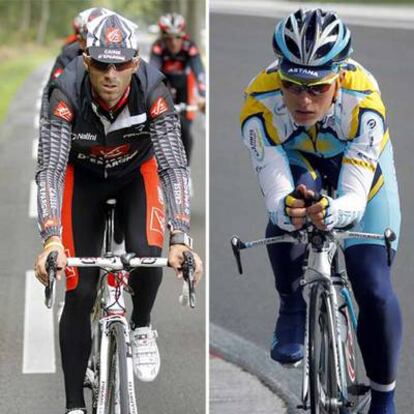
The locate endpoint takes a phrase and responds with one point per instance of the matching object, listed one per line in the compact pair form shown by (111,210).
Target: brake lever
(237,245)
(51,269)
(389,237)
(188,295)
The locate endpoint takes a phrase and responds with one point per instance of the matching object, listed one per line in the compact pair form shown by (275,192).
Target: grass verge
(16,65)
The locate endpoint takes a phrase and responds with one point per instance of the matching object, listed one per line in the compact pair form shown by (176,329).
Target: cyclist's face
(306,108)
(174,43)
(110,84)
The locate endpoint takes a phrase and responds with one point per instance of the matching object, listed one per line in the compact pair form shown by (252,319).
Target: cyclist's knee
(81,299)
(371,277)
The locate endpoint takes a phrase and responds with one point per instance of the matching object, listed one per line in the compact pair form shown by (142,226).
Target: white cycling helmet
(84,17)
(311,43)
(172,24)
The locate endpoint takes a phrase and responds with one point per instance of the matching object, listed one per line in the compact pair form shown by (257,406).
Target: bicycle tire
(322,369)
(117,371)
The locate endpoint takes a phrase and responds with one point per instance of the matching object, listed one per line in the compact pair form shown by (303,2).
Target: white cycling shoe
(76,411)
(145,353)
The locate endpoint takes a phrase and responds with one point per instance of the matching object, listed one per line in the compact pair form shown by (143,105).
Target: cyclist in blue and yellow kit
(316,115)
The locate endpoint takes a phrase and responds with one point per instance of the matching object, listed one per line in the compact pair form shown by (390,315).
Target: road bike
(330,375)
(109,373)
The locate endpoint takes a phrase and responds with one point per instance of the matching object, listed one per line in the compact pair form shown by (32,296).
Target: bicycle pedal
(358,389)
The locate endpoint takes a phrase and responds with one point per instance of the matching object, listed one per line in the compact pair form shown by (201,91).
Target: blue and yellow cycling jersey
(354,130)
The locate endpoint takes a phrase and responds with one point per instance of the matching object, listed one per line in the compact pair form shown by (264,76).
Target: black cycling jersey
(182,70)
(110,145)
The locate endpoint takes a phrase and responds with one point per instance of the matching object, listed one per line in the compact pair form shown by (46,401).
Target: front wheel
(118,399)
(322,367)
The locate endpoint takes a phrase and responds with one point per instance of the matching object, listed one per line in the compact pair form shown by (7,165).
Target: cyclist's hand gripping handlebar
(51,268)
(187,298)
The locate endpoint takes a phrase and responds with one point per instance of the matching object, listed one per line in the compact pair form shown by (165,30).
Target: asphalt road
(180,386)
(240,48)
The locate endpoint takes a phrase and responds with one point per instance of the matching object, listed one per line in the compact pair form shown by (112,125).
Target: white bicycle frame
(111,302)
(319,268)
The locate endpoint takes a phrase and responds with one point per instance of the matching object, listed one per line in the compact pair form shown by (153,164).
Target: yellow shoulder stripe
(372,102)
(359,163)
(253,107)
(263,82)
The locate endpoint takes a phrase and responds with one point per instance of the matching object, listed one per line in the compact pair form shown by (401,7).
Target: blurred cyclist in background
(76,43)
(178,58)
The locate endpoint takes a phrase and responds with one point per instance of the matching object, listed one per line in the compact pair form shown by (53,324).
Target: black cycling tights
(379,324)
(75,327)
(83,213)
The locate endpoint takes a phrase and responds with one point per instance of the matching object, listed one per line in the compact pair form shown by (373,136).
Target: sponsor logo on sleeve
(57,73)
(62,111)
(158,107)
(372,123)
(253,136)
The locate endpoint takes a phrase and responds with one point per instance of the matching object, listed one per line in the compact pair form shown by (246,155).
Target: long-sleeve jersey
(354,128)
(110,144)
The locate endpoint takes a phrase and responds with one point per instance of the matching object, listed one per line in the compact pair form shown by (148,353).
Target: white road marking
(39,340)
(36,122)
(35,144)
(360,15)
(33,200)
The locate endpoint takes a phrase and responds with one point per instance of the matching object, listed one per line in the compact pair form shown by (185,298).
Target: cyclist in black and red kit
(178,58)
(111,132)
(76,46)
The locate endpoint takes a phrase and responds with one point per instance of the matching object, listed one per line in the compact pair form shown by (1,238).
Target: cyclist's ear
(137,62)
(85,61)
(338,84)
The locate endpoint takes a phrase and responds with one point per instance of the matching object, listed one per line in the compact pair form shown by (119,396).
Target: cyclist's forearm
(198,69)
(172,168)
(353,191)
(53,153)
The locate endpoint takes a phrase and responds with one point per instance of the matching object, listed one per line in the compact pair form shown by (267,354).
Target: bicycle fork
(319,270)
(104,365)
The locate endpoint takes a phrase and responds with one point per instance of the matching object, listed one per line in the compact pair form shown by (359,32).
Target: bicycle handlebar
(127,262)
(181,107)
(304,237)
